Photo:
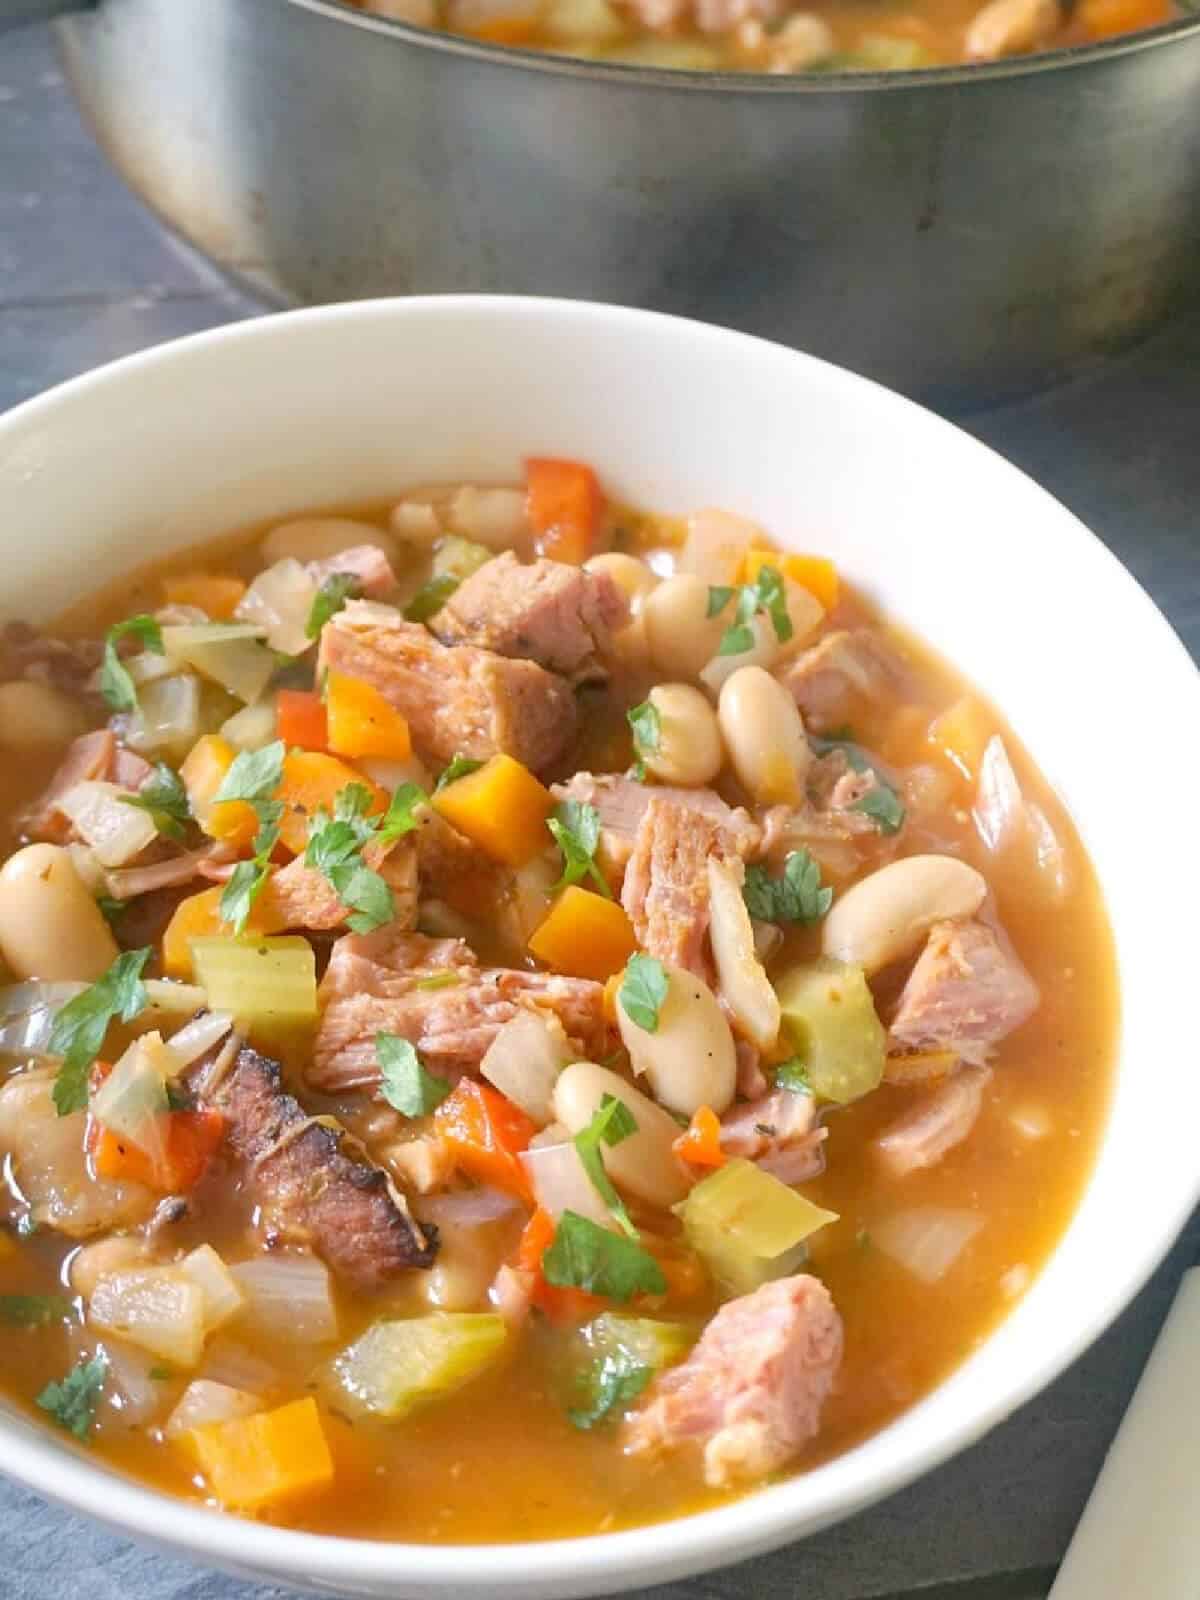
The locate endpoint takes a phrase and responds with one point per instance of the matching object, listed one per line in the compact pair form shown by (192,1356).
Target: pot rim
(811,83)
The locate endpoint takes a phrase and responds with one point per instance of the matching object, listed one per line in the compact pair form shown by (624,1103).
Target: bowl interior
(341,403)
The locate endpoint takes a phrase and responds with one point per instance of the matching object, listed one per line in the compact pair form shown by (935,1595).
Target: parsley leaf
(460,767)
(72,1402)
(576,829)
(647,730)
(335,846)
(643,991)
(587,1256)
(329,599)
(793,1074)
(33,1310)
(249,877)
(110,908)
(77,1033)
(883,805)
(165,798)
(366,894)
(401,815)
(611,1122)
(767,595)
(431,597)
(116,685)
(797,896)
(719,596)
(737,640)
(404,1082)
(253,775)
(612,1382)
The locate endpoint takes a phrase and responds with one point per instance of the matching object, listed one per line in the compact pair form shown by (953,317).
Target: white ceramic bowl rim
(769,1517)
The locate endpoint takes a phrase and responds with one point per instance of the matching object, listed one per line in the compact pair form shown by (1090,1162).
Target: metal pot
(964,234)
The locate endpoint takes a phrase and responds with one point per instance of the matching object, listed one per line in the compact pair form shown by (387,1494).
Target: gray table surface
(87,275)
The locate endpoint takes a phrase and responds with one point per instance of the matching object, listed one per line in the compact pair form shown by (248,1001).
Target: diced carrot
(560,1305)
(681,1267)
(487,1133)
(1104,19)
(700,1145)
(204,767)
(584,935)
(199,917)
(300,719)
(362,722)
(311,783)
(817,574)
(187,1142)
(265,1459)
(611,989)
(219,597)
(501,807)
(536,1238)
(961,734)
(564,505)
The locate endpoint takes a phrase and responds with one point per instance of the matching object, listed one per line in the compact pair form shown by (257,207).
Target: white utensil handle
(1140,1532)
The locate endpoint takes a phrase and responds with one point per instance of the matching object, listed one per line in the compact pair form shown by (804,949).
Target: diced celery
(882,52)
(258,980)
(645,1339)
(167,719)
(456,557)
(252,727)
(829,1014)
(230,653)
(623,1353)
(396,1366)
(748,1226)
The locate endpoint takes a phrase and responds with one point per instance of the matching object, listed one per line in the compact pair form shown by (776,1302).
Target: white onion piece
(390,775)
(288,1297)
(229,653)
(999,805)
(715,544)
(524,1060)
(743,983)
(129,1389)
(232,1363)
(175,999)
(223,1297)
(252,727)
(87,864)
(561,1183)
(133,1096)
(199,1035)
(1051,857)
(167,718)
(204,1401)
(466,1208)
(415,521)
(279,601)
(764,652)
(494,517)
(27,1013)
(926,1240)
(115,830)
(159,1309)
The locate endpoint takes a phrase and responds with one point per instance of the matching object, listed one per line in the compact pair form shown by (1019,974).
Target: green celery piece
(259,980)
(397,1366)
(748,1226)
(829,1015)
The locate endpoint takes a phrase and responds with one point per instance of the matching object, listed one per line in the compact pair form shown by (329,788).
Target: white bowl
(318,406)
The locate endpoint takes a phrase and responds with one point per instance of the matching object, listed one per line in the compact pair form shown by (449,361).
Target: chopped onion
(199,1035)
(524,1060)
(715,544)
(252,727)
(175,999)
(167,720)
(390,775)
(1051,857)
(130,1390)
(926,1240)
(27,1013)
(999,804)
(133,1096)
(561,1183)
(229,653)
(279,602)
(87,864)
(288,1297)
(494,517)
(229,1362)
(103,817)
(223,1297)
(466,1208)
(762,653)
(159,1309)
(204,1401)
(743,983)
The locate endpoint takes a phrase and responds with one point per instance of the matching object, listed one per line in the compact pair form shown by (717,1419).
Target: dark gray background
(87,275)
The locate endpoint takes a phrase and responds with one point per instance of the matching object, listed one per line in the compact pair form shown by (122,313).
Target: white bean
(50,927)
(494,517)
(317,538)
(635,581)
(884,917)
(644,1163)
(689,750)
(680,634)
(689,1060)
(33,716)
(764,737)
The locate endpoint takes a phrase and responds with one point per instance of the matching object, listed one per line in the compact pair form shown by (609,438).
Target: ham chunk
(751,1392)
(665,892)
(966,993)
(89,758)
(379,982)
(557,615)
(940,1120)
(832,679)
(457,701)
(621,804)
(779,1133)
(305,898)
(365,563)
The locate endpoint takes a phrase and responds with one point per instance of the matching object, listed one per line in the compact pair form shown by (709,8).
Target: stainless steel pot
(964,234)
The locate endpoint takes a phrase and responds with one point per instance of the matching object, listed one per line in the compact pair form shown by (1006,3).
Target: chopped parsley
(116,685)
(882,804)
(585,1256)
(72,1401)
(576,829)
(33,1310)
(793,1074)
(431,597)
(719,596)
(165,798)
(253,776)
(460,767)
(643,991)
(329,599)
(611,1122)
(404,1082)
(77,1033)
(336,843)
(111,908)
(612,1382)
(646,724)
(766,595)
(796,896)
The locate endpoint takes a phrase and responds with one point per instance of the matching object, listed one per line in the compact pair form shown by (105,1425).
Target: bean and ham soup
(780,36)
(506,980)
